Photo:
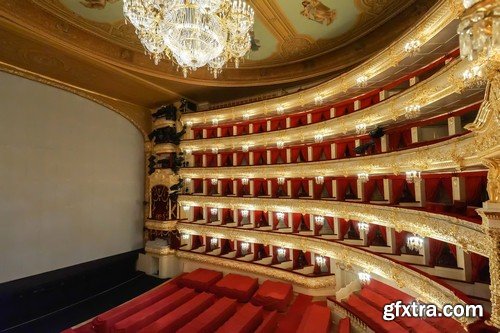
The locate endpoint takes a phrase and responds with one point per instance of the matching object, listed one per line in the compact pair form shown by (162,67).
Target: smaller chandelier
(280,216)
(188,151)
(318,99)
(185,236)
(244,181)
(415,243)
(363,177)
(245,247)
(187,180)
(473,77)
(412,176)
(215,122)
(479,29)
(360,129)
(214,211)
(246,116)
(318,138)
(363,226)
(214,181)
(215,150)
(281,180)
(319,180)
(244,212)
(280,144)
(364,278)
(412,47)
(245,148)
(186,208)
(362,81)
(321,261)
(189,123)
(412,111)
(319,220)
(214,242)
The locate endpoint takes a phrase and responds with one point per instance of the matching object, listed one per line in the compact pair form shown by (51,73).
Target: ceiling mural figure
(96,4)
(315,10)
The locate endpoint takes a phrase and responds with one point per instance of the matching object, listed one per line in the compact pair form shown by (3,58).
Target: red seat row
(316,319)
(246,320)
(273,296)
(212,318)
(236,286)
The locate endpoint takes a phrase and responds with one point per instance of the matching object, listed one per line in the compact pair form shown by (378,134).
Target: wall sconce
(360,129)
(214,211)
(214,242)
(246,116)
(318,99)
(215,150)
(281,254)
(364,278)
(281,180)
(321,261)
(318,138)
(412,111)
(415,243)
(319,180)
(186,208)
(363,226)
(319,220)
(280,216)
(188,151)
(214,181)
(280,144)
(215,122)
(187,180)
(280,109)
(412,47)
(362,81)
(244,212)
(189,123)
(413,176)
(245,148)
(245,247)
(363,177)
(185,236)
(244,181)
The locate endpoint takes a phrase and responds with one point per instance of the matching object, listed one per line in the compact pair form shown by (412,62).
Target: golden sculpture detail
(315,10)
(96,4)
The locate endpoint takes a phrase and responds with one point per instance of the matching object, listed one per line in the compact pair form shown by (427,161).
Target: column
(384,143)
(388,190)
(454,125)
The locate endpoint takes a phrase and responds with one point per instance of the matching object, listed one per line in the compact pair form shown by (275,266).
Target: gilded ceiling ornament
(315,10)
(96,4)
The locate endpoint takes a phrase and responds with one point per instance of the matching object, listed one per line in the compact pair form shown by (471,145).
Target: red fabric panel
(269,323)
(198,160)
(432,184)
(278,123)
(297,121)
(226,131)
(212,318)
(260,157)
(435,248)
(182,315)
(316,319)
(246,320)
(104,322)
(373,230)
(240,156)
(473,188)
(320,115)
(318,150)
(236,286)
(260,127)
(141,319)
(159,203)
(400,240)
(274,295)
(478,263)
(200,279)
(397,188)
(344,325)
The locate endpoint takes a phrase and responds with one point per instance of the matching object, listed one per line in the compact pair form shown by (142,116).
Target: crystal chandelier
(362,81)
(473,77)
(244,181)
(363,226)
(319,220)
(479,29)
(318,138)
(280,109)
(186,208)
(318,99)
(360,129)
(280,144)
(245,247)
(319,180)
(412,47)
(281,180)
(320,260)
(415,243)
(214,181)
(214,211)
(245,213)
(193,33)
(363,177)
(364,278)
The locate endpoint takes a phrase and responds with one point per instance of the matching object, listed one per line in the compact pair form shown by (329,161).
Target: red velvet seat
(246,320)
(372,316)
(104,322)
(236,286)
(212,318)
(389,292)
(274,295)
(316,319)
(344,325)
(200,279)
(182,315)
(153,312)
(269,323)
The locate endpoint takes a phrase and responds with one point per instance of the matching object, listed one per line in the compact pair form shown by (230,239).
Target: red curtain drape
(399,139)
(400,240)
(278,124)
(226,131)
(398,186)
(260,127)
(198,160)
(478,263)
(318,188)
(242,158)
(474,188)
(322,115)
(321,150)
(373,231)
(259,157)
(435,248)
(432,185)
(278,156)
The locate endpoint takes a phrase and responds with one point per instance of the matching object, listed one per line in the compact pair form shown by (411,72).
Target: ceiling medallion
(193,33)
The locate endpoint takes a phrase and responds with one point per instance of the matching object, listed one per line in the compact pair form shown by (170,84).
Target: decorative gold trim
(467,235)
(428,290)
(429,26)
(161,225)
(389,111)
(304,281)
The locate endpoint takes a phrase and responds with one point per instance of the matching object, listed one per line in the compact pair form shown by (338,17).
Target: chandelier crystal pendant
(479,29)
(415,243)
(193,33)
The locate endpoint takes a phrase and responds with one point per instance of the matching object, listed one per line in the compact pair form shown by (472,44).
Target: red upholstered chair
(236,286)
(269,323)
(273,295)
(200,279)
(104,322)
(212,318)
(316,319)
(182,315)
(246,320)
(153,312)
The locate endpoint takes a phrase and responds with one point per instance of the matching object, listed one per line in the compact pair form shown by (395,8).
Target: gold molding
(429,291)
(275,273)
(467,235)
(161,225)
(429,26)
(390,111)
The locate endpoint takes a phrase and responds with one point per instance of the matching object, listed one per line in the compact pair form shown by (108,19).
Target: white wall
(71,180)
